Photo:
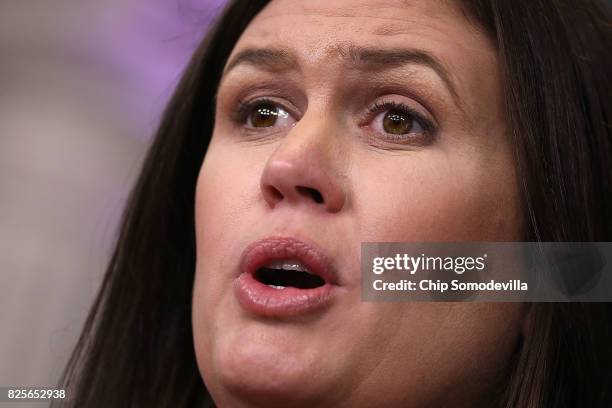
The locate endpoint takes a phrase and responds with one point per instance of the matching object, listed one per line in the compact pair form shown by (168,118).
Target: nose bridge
(316,139)
(308,166)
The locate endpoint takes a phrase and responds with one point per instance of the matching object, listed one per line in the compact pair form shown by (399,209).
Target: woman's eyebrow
(377,59)
(268,59)
(278,60)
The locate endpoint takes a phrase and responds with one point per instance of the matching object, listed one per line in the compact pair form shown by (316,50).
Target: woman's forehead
(319,34)
(387,17)
(318,29)
(342,8)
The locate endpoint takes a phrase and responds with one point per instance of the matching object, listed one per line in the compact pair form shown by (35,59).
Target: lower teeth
(276,287)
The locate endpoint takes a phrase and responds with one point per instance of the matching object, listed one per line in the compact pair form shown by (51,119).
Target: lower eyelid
(422,123)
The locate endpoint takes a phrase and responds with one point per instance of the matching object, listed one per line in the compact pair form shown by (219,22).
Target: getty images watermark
(491,271)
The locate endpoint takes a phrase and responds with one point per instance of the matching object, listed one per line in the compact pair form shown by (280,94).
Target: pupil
(264,116)
(397,123)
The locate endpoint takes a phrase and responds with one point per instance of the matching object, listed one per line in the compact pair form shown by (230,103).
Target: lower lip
(264,300)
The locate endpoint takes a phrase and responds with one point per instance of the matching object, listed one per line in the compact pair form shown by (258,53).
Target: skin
(457,186)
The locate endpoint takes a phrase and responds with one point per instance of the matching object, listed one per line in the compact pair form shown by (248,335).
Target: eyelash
(243,110)
(426,123)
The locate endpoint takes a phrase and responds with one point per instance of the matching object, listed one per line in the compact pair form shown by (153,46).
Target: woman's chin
(266,371)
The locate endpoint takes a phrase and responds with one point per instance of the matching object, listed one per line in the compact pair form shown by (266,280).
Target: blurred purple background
(82,86)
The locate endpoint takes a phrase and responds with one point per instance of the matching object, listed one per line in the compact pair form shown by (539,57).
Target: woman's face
(339,123)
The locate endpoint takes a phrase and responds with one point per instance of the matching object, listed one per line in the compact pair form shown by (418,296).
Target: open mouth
(288,273)
(285,277)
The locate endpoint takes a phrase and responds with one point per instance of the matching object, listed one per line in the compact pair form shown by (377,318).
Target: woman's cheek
(429,196)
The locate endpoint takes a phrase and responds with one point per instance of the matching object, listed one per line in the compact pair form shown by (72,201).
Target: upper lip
(260,252)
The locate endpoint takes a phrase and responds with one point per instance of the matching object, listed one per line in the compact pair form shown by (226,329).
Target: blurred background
(82,86)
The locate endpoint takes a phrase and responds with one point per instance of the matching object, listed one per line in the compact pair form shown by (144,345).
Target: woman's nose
(305,169)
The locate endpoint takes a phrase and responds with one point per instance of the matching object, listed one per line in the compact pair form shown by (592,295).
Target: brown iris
(397,122)
(264,115)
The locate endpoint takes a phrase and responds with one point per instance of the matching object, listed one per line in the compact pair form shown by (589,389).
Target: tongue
(287,278)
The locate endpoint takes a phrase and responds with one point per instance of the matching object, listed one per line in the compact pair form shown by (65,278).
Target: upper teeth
(288,265)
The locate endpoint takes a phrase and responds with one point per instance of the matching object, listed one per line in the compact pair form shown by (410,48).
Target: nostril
(275,193)
(310,192)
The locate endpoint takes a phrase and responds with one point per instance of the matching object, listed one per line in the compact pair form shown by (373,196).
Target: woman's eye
(268,115)
(397,122)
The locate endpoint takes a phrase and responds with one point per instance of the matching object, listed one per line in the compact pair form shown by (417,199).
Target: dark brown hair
(136,348)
